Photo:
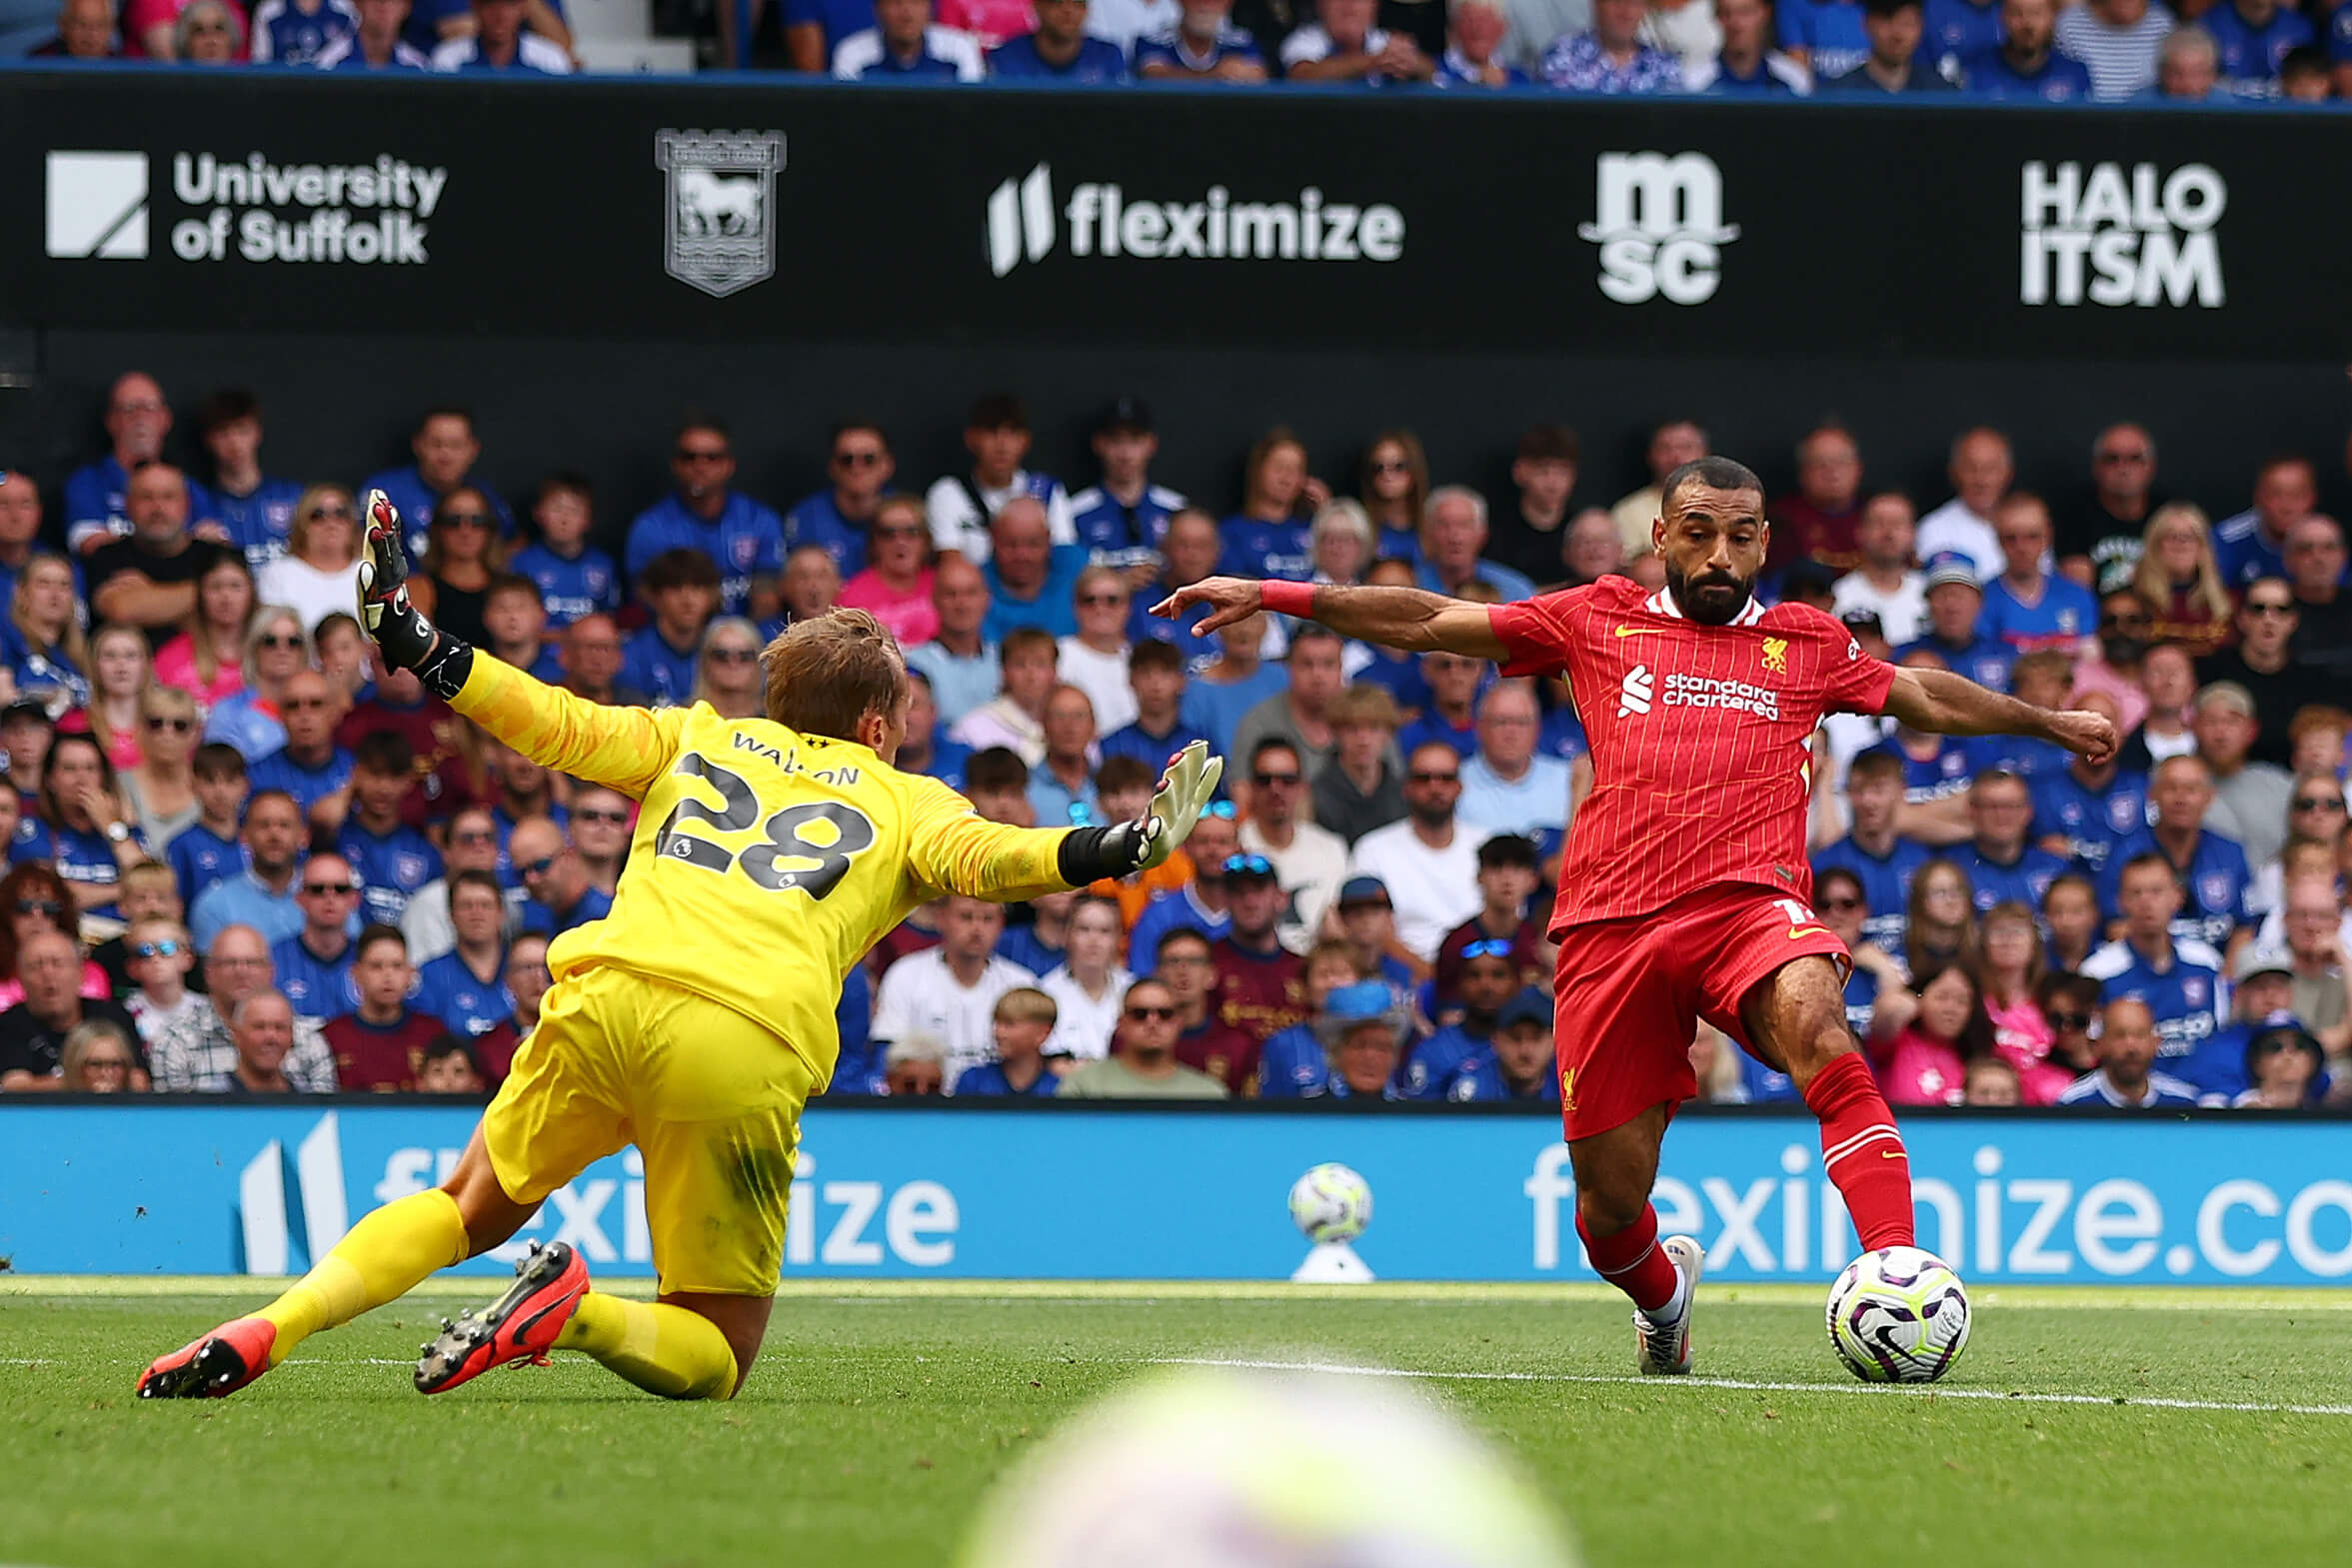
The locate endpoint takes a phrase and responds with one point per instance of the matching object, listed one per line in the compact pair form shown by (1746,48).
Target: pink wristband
(1288,598)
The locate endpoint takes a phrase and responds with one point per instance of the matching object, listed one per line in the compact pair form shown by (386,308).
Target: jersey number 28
(787,831)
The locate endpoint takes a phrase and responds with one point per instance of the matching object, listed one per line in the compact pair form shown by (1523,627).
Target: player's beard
(1713,599)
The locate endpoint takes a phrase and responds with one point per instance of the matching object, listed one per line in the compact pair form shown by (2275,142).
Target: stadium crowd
(242,861)
(2091,50)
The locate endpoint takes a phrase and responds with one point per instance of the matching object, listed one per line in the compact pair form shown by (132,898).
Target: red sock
(1862,1152)
(1632,1261)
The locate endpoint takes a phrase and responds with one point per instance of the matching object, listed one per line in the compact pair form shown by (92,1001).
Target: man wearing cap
(1955,604)
(1428,861)
(1367,923)
(1491,975)
(1981,469)
(1885,581)
(1294,1064)
(1362,1031)
(1260,984)
(1520,1065)
(2125,1080)
(2249,798)
(2179,980)
(2264,992)
(1120,520)
(1310,862)
(2284,1065)
(2026,606)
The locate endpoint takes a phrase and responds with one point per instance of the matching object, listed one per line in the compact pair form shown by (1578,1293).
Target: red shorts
(1630,993)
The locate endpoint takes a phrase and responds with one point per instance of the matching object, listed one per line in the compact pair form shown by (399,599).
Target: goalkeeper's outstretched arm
(958,852)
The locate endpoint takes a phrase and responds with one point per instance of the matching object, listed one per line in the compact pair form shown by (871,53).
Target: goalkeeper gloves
(1091,854)
(408,640)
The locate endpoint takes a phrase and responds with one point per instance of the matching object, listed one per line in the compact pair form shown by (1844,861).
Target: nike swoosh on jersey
(1640,630)
(1893,1155)
(1794,931)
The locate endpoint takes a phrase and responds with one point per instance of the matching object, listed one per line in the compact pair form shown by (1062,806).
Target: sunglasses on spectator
(2123,620)
(1249,865)
(1488,948)
(2319,802)
(701,454)
(857,459)
(585,816)
(1267,779)
(2070,1020)
(538,868)
(279,640)
(48,906)
(148,406)
(1392,465)
(157,949)
(1101,599)
(1418,776)
(329,889)
(478,835)
(733,655)
(2123,457)
(460,518)
(176,726)
(1152,1014)
(334,511)
(1842,904)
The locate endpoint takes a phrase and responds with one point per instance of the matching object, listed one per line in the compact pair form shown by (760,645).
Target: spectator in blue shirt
(310,767)
(2262,988)
(499,43)
(376,44)
(560,896)
(2027,68)
(2215,889)
(1062,785)
(2179,981)
(1956,31)
(1237,680)
(1882,863)
(465,986)
(97,498)
(1204,45)
(2305,75)
(393,860)
(839,517)
(2003,866)
(2025,607)
(1955,601)
(1190,551)
(2252,544)
(1611,58)
(313,965)
(1059,50)
(1896,63)
(447,449)
(1155,673)
(1520,1064)
(1030,583)
(2188,69)
(961,664)
(2252,38)
(1121,521)
(1023,1021)
(680,588)
(813,30)
(257,511)
(1453,534)
(1473,48)
(1267,537)
(1748,69)
(744,538)
(206,851)
(516,621)
(2084,811)
(904,45)
(1448,717)
(574,578)
(296,32)
(1826,37)
(2126,1078)
(2339,49)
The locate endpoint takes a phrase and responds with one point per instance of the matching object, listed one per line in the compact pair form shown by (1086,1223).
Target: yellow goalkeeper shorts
(713,1099)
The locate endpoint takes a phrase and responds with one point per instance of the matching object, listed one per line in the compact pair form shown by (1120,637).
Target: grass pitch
(2086,1427)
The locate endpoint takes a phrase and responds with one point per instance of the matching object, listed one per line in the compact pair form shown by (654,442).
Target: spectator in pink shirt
(896,584)
(991,21)
(207,660)
(2124,629)
(147,28)
(2012,968)
(1926,1062)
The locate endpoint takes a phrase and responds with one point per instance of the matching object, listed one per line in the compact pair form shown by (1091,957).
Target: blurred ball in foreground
(1219,1467)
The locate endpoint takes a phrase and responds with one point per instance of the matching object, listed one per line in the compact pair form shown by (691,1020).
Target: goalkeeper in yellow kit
(696,1019)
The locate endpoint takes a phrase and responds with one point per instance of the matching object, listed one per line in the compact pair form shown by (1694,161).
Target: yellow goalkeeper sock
(382,1258)
(663,1349)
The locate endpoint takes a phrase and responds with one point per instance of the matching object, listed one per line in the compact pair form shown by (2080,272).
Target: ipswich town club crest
(722,205)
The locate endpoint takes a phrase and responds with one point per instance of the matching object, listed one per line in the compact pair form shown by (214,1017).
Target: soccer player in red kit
(1685,893)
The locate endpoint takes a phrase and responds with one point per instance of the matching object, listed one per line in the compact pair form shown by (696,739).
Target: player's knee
(1604,1208)
(1815,1049)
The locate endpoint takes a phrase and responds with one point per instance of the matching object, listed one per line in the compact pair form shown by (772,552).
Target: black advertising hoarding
(740,211)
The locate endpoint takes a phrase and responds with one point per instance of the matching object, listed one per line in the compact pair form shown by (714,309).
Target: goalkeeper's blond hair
(827,673)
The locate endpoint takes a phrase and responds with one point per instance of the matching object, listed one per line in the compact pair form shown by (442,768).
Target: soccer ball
(1898,1315)
(1330,1203)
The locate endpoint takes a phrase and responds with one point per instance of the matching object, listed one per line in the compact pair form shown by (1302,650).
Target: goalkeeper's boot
(519,1326)
(1664,1349)
(214,1366)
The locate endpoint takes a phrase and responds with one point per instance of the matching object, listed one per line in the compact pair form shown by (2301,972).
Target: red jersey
(1259,993)
(378,1056)
(1701,739)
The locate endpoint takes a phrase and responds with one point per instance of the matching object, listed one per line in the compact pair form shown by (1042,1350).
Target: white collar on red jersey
(1662,603)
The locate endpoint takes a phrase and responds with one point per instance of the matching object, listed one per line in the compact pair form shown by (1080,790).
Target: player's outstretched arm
(955,849)
(1941,703)
(624,748)
(1407,618)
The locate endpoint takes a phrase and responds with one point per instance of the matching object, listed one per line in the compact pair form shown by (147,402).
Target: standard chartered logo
(1640,689)
(1025,225)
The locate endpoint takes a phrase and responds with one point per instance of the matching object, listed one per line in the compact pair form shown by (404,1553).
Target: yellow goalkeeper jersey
(765,861)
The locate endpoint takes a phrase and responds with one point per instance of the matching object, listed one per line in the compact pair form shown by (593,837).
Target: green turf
(880,1414)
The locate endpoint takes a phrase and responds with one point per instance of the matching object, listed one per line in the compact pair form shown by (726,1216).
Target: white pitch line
(1881,1390)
